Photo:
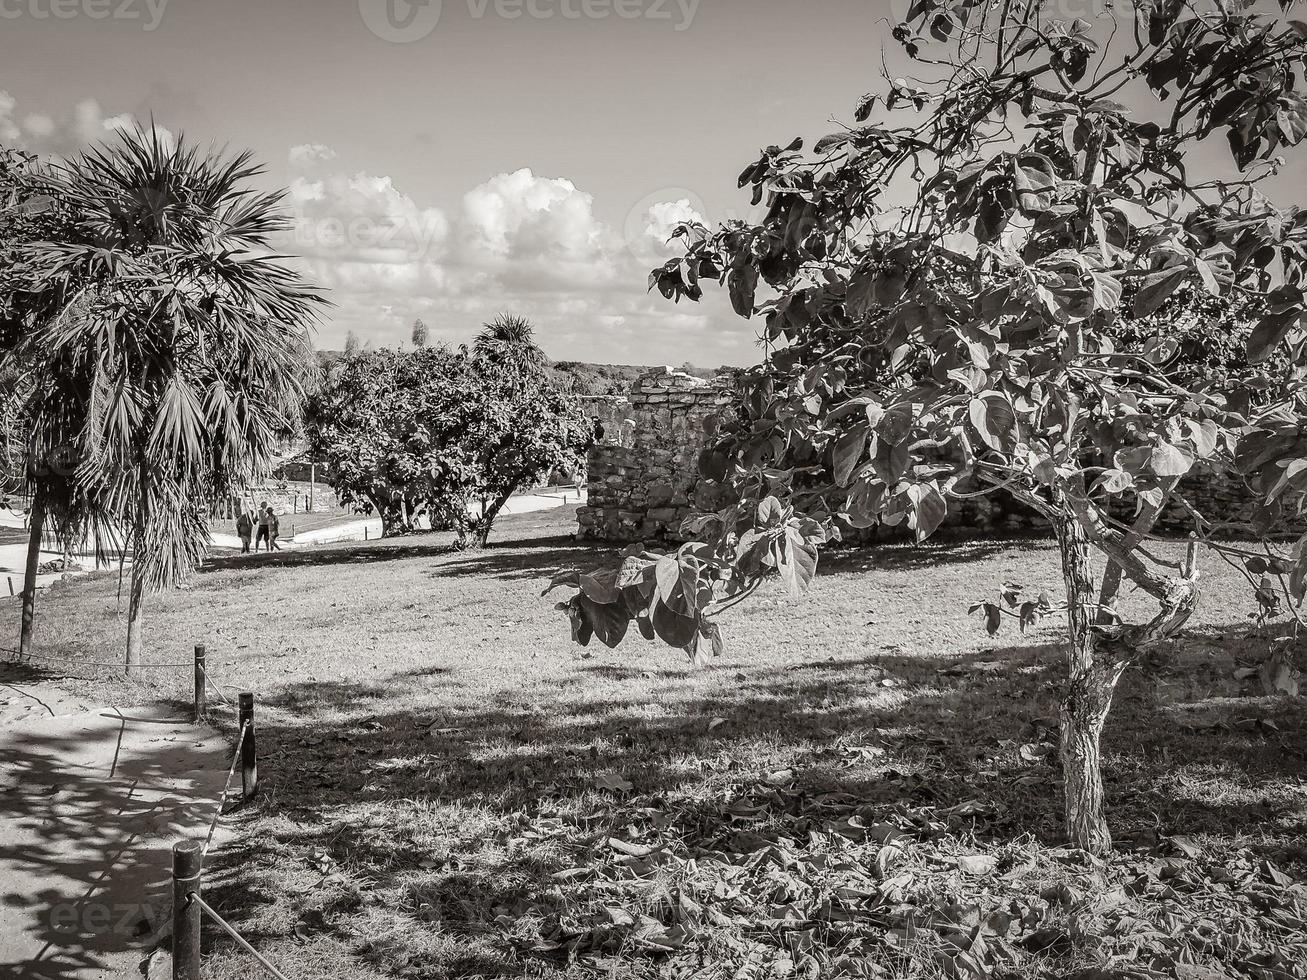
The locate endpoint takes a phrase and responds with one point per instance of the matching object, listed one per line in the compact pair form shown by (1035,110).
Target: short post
(249,757)
(187,864)
(201,705)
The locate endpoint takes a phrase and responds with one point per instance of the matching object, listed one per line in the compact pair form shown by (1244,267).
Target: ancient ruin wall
(643,475)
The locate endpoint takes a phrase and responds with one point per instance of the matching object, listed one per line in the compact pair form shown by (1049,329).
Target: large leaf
(1155,287)
(601,586)
(928,509)
(1269,331)
(847,454)
(1170,461)
(1292,118)
(742,283)
(672,628)
(798,563)
(609,622)
(994,420)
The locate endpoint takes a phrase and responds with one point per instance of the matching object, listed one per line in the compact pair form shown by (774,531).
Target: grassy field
(863,785)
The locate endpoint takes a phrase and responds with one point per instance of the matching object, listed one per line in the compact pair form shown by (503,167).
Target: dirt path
(91,800)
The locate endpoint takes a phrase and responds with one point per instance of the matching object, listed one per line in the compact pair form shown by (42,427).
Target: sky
(452,159)
(508,155)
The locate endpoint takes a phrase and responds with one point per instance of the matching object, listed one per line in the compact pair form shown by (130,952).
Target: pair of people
(266,524)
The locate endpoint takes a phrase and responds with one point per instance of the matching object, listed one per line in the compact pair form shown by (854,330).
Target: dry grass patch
(862,786)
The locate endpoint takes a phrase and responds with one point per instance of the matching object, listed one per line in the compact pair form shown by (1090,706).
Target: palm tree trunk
(136,604)
(36,518)
(135,619)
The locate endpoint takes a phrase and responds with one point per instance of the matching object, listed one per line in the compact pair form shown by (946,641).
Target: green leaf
(994,420)
(1268,333)
(608,621)
(847,454)
(928,509)
(770,512)
(667,573)
(798,563)
(1106,292)
(1170,461)
(742,283)
(672,628)
(1155,287)
(1291,117)
(600,586)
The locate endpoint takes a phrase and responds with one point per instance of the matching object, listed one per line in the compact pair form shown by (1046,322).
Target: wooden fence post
(187,865)
(201,705)
(249,756)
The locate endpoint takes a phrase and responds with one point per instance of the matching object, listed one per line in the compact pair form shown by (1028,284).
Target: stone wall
(643,476)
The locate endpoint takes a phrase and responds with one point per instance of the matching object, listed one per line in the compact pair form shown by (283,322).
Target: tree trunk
(36,518)
(135,620)
(1090,686)
(475,533)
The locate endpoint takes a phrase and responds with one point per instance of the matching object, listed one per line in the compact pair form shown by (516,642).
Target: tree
(419,333)
(943,288)
(510,339)
(29,213)
(172,348)
(352,344)
(445,434)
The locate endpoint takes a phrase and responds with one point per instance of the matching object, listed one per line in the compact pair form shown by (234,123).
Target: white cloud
(519,241)
(308,155)
(661,219)
(39,132)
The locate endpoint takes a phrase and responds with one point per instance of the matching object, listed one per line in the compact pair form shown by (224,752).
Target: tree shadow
(91,805)
(968,742)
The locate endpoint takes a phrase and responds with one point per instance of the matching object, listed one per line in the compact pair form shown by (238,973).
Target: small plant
(1027,612)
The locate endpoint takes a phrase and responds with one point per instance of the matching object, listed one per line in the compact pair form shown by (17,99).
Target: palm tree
(178,352)
(509,340)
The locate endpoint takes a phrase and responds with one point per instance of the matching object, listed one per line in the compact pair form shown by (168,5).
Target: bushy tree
(509,340)
(420,333)
(942,285)
(170,345)
(441,433)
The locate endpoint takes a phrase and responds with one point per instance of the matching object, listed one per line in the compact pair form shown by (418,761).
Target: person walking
(264,535)
(274,527)
(245,529)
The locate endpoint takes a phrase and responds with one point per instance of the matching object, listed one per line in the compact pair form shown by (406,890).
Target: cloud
(40,132)
(308,155)
(519,241)
(662,218)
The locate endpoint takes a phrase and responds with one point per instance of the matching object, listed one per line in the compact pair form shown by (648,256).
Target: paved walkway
(91,801)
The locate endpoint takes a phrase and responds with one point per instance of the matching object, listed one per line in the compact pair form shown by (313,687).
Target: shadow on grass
(946,734)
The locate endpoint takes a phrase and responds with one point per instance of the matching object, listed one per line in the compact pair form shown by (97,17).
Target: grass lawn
(863,785)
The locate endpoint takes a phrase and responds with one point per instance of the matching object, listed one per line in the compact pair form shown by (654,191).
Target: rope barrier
(240,940)
(226,787)
(19,658)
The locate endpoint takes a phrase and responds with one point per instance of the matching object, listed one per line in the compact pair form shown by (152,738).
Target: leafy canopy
(445,433)
(943,286)
(167,341)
